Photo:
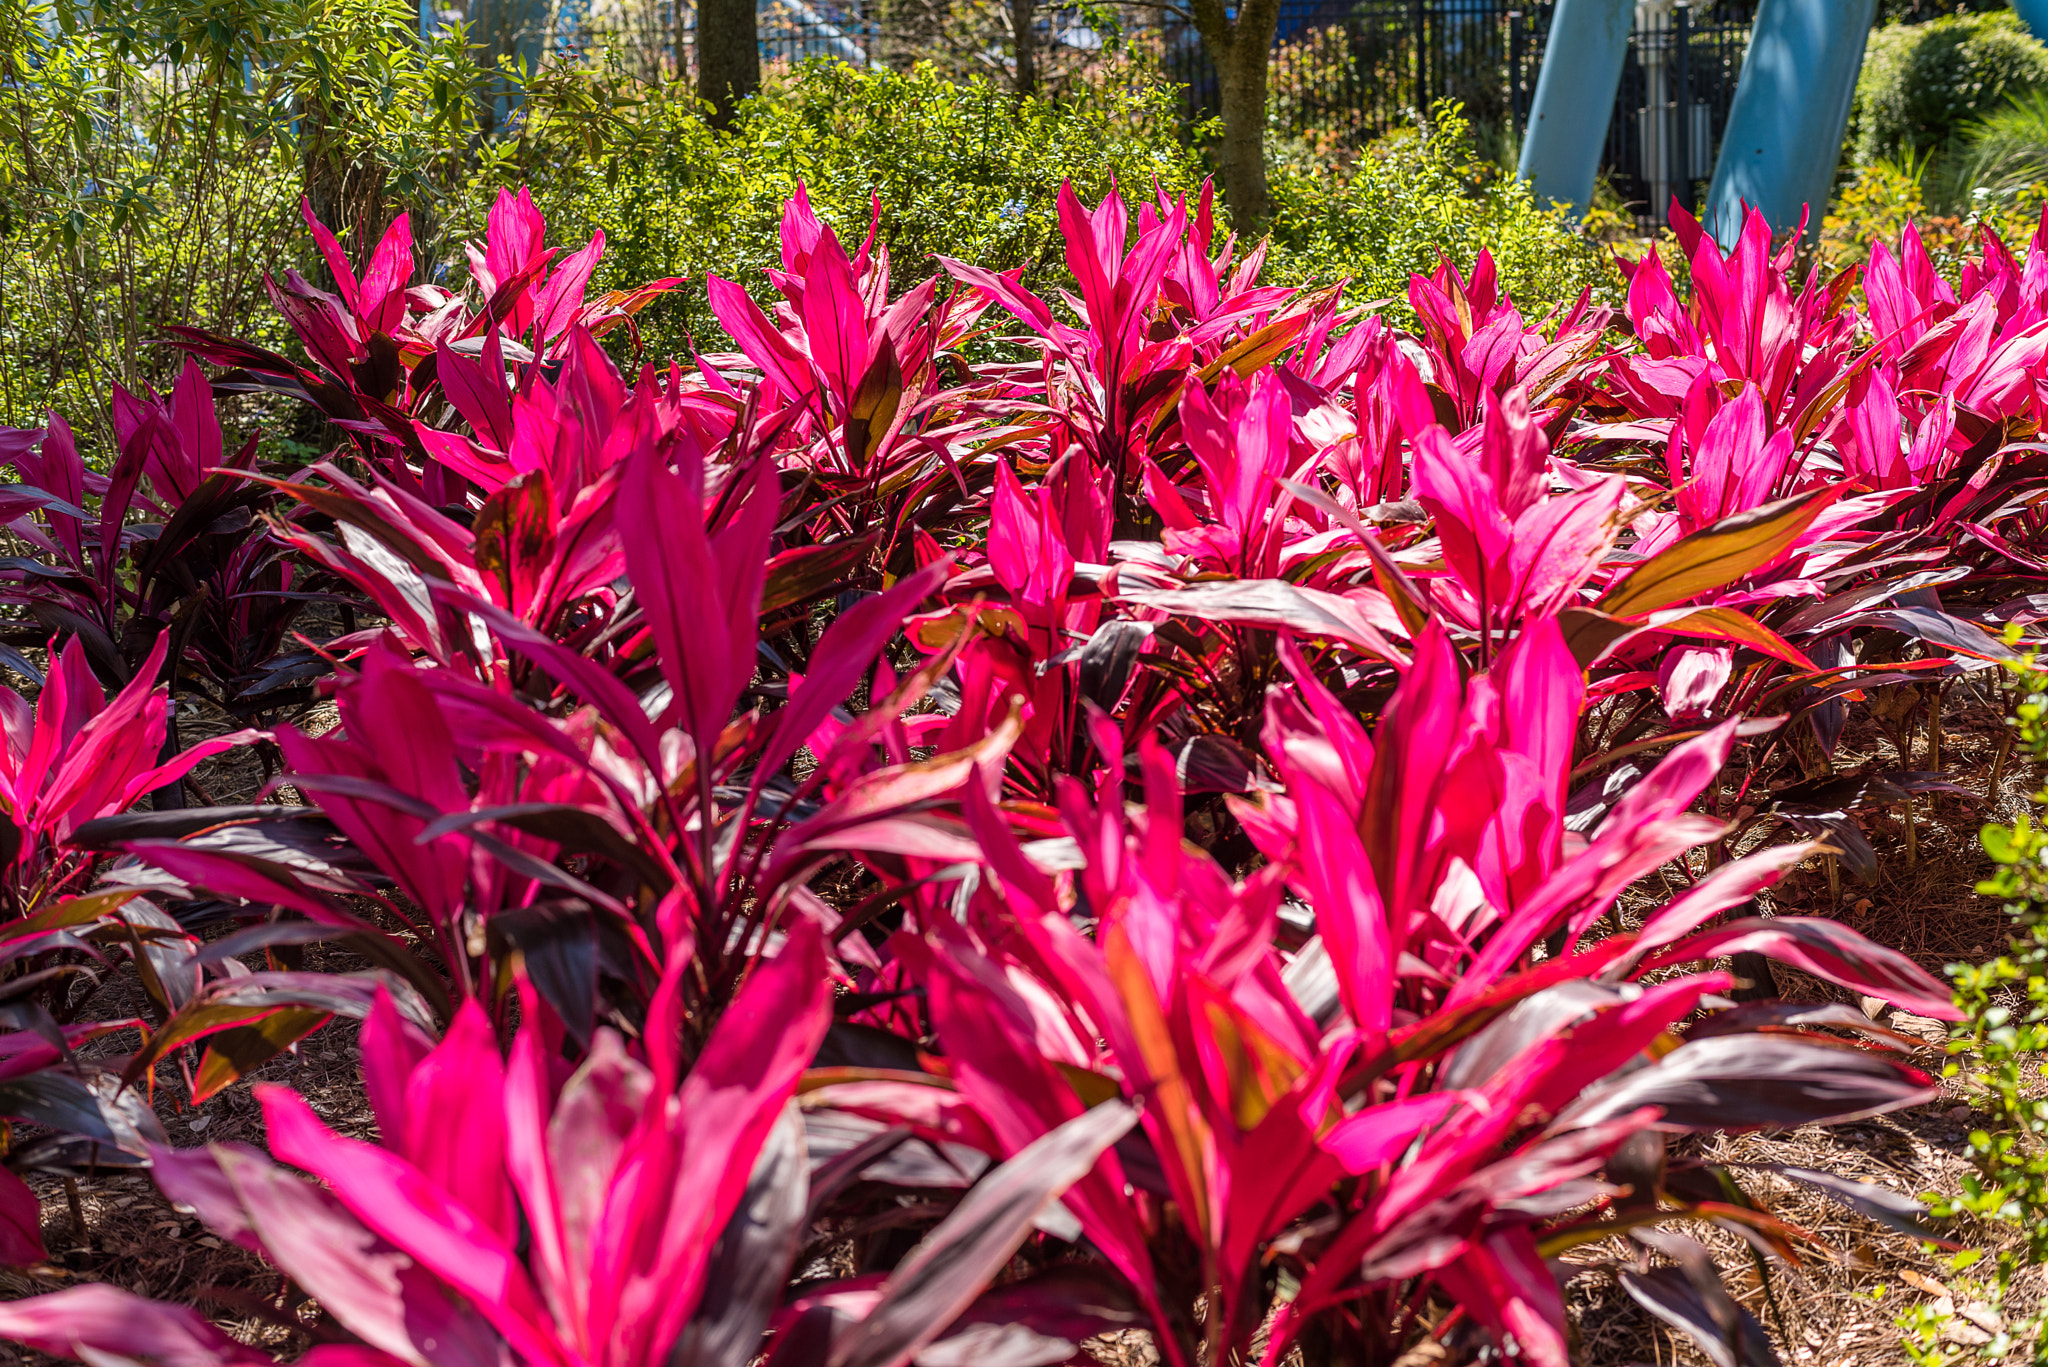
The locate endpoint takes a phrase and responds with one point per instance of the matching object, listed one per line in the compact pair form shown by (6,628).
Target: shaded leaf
(942,1276)
(1673,1297)
(1742,1082)
(1893,1209)
(242,1049)
(752,1262)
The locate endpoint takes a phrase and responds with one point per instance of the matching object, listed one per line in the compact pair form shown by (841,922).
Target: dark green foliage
(1922,83)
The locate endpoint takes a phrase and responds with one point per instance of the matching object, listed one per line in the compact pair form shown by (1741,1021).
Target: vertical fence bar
(1421,32)
(1515,73)
(1681,99)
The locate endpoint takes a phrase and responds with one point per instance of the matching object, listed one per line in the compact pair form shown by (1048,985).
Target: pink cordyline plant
(1131,838)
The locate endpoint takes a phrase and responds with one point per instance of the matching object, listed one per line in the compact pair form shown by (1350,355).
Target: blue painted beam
(1574,98)
(1784,135)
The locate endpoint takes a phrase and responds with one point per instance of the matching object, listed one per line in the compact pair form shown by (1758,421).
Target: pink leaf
(1826,949)
(395,1199)
(103,1319)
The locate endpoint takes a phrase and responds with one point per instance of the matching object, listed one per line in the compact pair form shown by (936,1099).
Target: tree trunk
(680,40)
(1024,31)
(1241,157)
(728,56)
(346,192)
(1242,48)
(508,28)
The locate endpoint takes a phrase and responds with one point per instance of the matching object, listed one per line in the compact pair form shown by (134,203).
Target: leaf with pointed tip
(1724,1331)
(242,1049)
(1783,1015)
(227,1003)
(1827,949)
(374,1290)
(1272,603)
(266,936)
(1037,1322)
(97,1108)
(105,1324)
(1729,624)
(1748,1082)
(556,940)
(112,832)
(70,913)
(400,1203)
(578,830)
(806,572)
(1945,630)
(843,655)
(1893,1209)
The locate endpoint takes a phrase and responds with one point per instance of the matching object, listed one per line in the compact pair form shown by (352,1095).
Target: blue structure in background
(1784,135)
(1574,99)
(1783,140)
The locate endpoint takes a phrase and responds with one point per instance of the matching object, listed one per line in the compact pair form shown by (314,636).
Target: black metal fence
(1346,72)
(1676,88)
(1354,71)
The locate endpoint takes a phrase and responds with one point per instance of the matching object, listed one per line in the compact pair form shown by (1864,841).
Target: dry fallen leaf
(1922,1282)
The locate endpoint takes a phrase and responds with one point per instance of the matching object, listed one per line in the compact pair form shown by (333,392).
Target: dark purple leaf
(744,1281)
(941,1277)
(1743,1082)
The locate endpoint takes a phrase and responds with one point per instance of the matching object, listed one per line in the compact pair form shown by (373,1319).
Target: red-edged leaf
(105,1320)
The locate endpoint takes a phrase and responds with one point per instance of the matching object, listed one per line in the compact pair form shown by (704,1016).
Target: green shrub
(1921,83)
(1419,193)
(108,238)
(154,158)
(967,170)
(964,170)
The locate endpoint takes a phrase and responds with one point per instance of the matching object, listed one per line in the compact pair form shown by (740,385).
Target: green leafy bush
(2005,167)
(966,170)
(969,170)
(1922,83)
(1419,193)
(158,176)
(155,157)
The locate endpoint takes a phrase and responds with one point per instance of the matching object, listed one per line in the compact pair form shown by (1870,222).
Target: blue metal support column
(1574,99)
(2034,14)
(1784,135)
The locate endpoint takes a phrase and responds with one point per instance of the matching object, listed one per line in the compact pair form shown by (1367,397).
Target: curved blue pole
(2034,14)
(1784,135)
(1574,98)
